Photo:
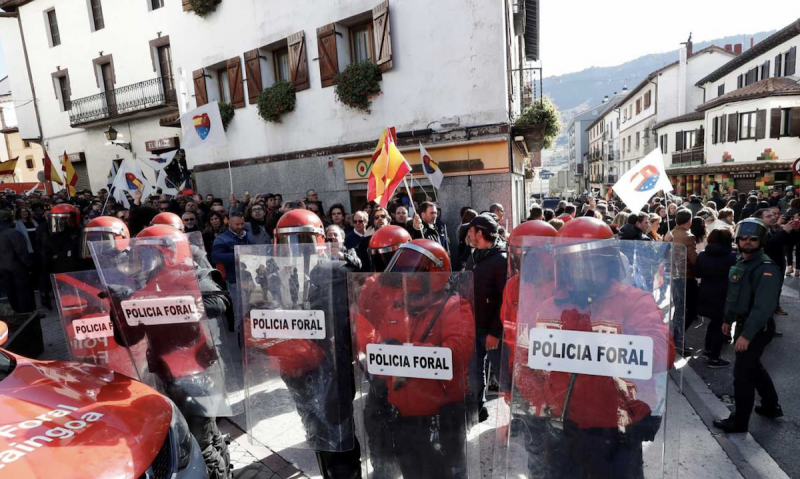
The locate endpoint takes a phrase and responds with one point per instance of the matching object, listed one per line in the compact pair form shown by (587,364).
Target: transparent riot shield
(588,355)
(162,317)
(297,359)
(86,319)
(414,341)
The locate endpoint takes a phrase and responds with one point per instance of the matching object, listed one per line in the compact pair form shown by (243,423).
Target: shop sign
(162,144)
(76,157)
(745,176)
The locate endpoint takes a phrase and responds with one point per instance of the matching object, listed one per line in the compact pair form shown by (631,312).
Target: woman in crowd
(27,226)
(712,268)
(655,225)
(698,229)
(619,221)
(214,227)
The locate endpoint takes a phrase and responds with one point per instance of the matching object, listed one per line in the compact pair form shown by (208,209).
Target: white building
(751,120)
(88,65)
(664,94)
(604,139)
(29,154)
(579,143)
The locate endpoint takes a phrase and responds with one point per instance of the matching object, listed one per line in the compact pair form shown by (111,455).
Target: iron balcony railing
(123,101)
(611,179)
(691,157)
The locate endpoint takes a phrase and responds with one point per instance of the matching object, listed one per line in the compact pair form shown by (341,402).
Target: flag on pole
(609,193)
(167,187)
(430,167)
(33,190)
(203,127)
(644,180)
(389,167)
(130,179)
(70,176)
(50,171)
(158,163)
(8,167)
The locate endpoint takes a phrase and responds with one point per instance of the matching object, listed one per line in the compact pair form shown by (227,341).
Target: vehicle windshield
(6,365)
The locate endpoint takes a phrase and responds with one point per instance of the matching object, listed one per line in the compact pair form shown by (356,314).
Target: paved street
(778,437)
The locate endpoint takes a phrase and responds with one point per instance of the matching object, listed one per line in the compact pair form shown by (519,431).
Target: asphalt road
(780,438)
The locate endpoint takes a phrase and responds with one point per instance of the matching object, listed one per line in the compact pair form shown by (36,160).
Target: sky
(578,34)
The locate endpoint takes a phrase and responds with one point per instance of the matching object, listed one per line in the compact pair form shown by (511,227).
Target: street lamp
(112,135)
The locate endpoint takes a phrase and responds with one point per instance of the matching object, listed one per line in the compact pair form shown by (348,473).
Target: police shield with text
(161,316)
(298,359)
(589,358)
(414,336)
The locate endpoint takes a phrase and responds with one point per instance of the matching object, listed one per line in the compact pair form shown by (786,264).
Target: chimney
(605,99)
(729,48)
(689,49)
(737,49)
(625,88)
(752,42)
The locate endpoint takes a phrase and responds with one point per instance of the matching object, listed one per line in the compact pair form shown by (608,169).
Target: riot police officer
(59,242)
(754,286)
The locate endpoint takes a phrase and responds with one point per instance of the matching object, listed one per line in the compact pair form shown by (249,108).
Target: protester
(683,278)
(15,266)
(655,226)
(636,228)
(712,268)
(337,216)
(223,252)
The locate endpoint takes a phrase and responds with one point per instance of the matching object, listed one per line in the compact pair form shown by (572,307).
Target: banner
(431,168)
(158,163)
(644,180)
(203,127)
(167,187)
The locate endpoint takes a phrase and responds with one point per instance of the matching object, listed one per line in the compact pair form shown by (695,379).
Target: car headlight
(182,437)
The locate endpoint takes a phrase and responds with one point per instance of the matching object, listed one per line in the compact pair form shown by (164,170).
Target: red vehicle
(64,419)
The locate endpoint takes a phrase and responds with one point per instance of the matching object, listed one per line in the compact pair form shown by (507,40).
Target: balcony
(610,179)
(691,157)
(156,95)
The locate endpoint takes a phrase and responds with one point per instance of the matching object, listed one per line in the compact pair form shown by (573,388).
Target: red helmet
(299,226)
(517,242)
(420,256)
(565,217)
(586,227)
(175,248)
(169,219)
(63,216)
(384,243)
(104,228)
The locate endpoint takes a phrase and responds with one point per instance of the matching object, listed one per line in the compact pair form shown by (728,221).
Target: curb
(750,459)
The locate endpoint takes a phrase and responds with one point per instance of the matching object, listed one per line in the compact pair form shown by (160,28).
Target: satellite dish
(40,176)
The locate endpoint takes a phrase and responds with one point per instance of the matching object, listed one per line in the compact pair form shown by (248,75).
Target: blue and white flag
(203,127)
(644,180)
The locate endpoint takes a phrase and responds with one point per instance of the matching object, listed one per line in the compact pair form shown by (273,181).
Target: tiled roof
(607,108)
(173,120)
(693,116)
(758,49)
(783,86)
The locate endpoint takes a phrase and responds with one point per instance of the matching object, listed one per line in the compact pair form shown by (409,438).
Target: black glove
(118,292)
(644,430)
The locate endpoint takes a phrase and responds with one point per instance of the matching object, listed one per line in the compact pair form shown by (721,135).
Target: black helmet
(752,227)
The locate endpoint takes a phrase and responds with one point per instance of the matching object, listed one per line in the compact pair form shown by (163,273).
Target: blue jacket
(223,252)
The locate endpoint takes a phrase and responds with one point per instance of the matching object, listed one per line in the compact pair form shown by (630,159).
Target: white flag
(130,179)
(158,163)
(166,186)
(644,180)
(430,167)
(203,127)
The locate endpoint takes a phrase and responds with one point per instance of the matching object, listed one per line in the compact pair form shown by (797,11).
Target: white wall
(742,151)
(645,113)
(730,79)
(699,67)
(449,60)
(18,77)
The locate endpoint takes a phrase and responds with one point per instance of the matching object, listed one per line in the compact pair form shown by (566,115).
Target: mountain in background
(575,92)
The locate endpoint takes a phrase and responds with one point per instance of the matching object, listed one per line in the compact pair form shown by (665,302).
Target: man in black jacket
(749,208)
(776,239)
(15,266)
(489,263)
(636,228)
(425,226)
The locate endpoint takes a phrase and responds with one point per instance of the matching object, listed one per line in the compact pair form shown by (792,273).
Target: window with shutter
(382,34)
(298,64)
(235,82)
(739,81)
(638,106)
(791,59)
(328,56)
(252,69)
(761,124)
(52,23)
(767,66)
(733,127)
(794,122)
(97,15)
(715,126)
(678,141)
(778,63)
(723,129)
(200,91)
(775,123)
(721,90)
(187,6)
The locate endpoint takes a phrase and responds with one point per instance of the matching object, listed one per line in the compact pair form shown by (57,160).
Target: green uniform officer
(754,286)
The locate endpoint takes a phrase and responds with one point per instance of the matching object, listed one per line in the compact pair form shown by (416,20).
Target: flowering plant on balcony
(545,113)
(276,100)
(226,112)
(358,84)
(204,7)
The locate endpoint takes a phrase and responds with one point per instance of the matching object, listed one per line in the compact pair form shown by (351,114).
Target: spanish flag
(389,167)
(70,176)
(50,171)
(8,167)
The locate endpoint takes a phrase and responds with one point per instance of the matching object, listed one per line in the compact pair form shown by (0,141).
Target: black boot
(729,425)
(770,412)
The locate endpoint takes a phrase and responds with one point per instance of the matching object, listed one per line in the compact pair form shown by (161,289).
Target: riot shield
(414,341)
(297,360)
(86,319)
(162,318)
(588,355)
